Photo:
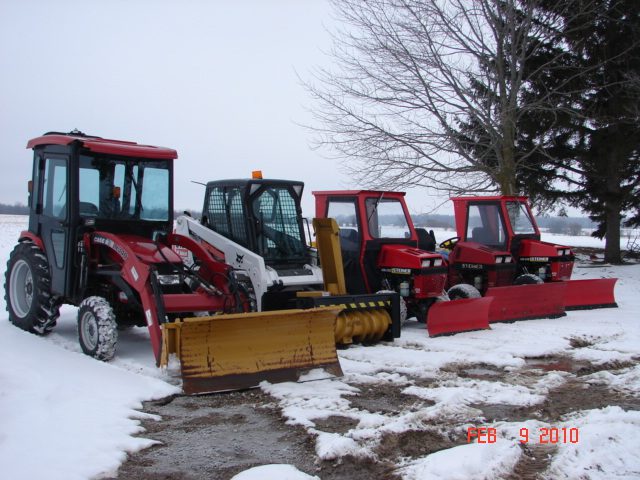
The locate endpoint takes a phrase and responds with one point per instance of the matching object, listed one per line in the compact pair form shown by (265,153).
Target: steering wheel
(449,243)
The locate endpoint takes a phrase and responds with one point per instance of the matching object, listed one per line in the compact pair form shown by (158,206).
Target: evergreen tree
(577,136)
(592,141)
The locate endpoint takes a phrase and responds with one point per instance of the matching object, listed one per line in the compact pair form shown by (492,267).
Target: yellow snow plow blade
(237,351)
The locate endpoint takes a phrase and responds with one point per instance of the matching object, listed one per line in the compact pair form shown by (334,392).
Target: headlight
(508,259)
(169,279)
(436,262)
(499,259)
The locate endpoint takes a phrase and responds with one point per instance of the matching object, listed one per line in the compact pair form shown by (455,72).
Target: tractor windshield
(124,189)
(386,218)
(279,229)
(521,222)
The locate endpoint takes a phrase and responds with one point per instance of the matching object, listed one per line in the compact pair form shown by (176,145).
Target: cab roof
(356,193)
(491,198)
(104,145)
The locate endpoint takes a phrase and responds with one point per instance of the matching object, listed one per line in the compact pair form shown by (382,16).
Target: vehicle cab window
(386,218)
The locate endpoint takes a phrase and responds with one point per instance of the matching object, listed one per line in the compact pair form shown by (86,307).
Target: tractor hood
(536,248)
(402,256)
(146,250)
(149,251)
(477,253)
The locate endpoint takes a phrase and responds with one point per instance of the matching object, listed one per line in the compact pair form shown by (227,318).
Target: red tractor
(100,237)
(381,250)
(498,244)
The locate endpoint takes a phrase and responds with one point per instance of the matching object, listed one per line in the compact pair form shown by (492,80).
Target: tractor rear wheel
(463,290)
(97,328)
(527,279)
(28,290)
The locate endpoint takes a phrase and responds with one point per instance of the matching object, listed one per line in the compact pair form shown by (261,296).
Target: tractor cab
(498,222)
(261,215)
(380,247)
(83,183)
(506,224)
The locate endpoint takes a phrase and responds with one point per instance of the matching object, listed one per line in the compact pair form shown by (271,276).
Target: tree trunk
(507,172)
(612,253)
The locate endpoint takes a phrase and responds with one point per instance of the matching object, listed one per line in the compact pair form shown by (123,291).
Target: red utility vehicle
(499,244)
(381,250)
(100,237)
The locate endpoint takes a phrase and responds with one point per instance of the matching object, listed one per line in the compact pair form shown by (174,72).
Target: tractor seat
(349,239)
(88,209)
(483,235)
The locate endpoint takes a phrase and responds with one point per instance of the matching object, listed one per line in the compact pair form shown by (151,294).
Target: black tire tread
(107,327)
(44,311)
(463,290)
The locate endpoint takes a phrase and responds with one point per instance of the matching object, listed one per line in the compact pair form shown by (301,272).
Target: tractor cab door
(52,212)
(521,224)
(345,212)
(486,225)
(387,223)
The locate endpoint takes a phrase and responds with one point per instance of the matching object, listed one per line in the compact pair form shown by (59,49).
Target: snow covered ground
(66,416)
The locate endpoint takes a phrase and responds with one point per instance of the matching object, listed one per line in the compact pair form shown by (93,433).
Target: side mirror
(30,186)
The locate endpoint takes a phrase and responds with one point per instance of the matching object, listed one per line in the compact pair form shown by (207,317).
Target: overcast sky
(216,80)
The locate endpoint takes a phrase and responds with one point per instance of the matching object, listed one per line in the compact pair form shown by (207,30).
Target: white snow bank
(474,460)
(626,380)
(464,391)
(274,472)
(608,445)
(64,415)
(302,403)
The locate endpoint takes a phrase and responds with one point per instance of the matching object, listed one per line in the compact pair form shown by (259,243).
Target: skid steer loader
(504,227)
(382,250)
(100,237)
(256,226)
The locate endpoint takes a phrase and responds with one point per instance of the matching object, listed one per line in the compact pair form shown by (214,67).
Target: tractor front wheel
(527,279)
(28,290)
(97,328)
(463,290)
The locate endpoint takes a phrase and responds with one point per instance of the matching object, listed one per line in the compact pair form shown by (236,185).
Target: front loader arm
(219,270)
(138,275)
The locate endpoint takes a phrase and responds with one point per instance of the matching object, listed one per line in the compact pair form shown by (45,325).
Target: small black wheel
(97,328)
(527,279)
(422,309)
(404,312)
(28,290)
(449,243)
(463,290)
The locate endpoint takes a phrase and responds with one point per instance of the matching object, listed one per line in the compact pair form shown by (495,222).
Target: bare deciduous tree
(407,78)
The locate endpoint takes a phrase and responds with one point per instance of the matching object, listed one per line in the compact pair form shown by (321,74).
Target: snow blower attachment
(364,318)
(108,248)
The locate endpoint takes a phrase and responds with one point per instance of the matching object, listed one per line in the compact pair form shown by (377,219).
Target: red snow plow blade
(525,302)
(587,294)
(455,316)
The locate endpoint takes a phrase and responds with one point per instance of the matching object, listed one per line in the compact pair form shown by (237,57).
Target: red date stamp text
(541,436)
